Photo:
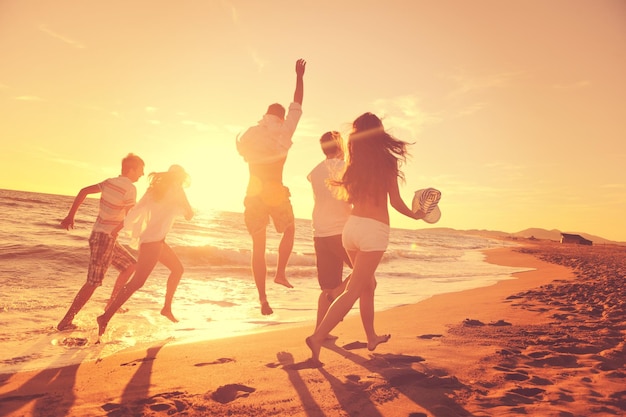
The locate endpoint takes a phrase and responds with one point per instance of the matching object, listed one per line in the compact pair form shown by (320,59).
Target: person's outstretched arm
(399,205)
(299,93)
(68,221)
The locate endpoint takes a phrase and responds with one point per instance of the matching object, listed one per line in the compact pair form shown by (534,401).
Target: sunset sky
(517,109)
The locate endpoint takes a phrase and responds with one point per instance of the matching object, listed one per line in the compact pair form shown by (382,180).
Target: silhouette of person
(150,221)
(330,213)
(117,196)
(264,147)
(370,180)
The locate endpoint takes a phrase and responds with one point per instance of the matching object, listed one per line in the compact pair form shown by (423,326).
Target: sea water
(42,266)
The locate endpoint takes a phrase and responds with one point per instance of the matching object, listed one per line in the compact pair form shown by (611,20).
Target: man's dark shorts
(259,209)
(106,251)
(330,257)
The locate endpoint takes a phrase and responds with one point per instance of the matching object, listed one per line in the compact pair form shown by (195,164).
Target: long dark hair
(374,159)
(162,182)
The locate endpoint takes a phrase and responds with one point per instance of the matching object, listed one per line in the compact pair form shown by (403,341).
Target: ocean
(42,266)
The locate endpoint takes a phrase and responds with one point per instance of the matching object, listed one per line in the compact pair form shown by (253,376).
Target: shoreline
(212,304)
(488,351)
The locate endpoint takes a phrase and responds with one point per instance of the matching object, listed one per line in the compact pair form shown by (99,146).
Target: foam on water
(42,266)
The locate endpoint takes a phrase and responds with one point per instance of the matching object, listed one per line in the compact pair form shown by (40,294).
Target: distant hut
(576,239)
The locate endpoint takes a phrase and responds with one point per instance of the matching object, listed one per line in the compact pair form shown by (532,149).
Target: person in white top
(117,196)
(150,221)
(264,147)
(330,213)
(371,183)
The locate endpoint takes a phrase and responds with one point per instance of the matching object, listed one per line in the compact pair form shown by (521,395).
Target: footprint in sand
(539,354)
(473,322)
(165,403)
(231,392)
(169,402)
(563,361)
(508,352)
(516,376)
(429,336)
(540,381)
(215,362)
(500,323)
(528,392)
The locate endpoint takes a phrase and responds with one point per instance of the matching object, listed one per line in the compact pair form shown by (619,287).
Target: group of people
(149,221)
(350,218)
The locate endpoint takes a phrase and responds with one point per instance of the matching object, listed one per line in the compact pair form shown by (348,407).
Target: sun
(219,177)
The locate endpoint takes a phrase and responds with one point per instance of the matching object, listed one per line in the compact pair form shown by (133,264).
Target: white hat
(427,200)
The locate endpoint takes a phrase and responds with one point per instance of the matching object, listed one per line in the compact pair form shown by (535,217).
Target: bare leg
(365,264)
(149,254)
(121,280)
(83,295)
(366,307)
(259,269)
(324,301)
(284,252)
(171,261)
(336,292)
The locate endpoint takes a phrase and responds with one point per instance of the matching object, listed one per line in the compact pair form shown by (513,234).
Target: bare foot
(66,326)
(168,313)
(102,325)
(315,350)
(331,337)
(282,280)
(266,310)
(379,339)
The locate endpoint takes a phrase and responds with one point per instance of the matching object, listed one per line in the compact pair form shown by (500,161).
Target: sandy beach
(549,343)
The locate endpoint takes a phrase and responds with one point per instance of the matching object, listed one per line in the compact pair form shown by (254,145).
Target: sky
(515,110)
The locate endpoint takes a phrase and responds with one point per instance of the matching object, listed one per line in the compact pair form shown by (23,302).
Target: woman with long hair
(370,180)
(150,221)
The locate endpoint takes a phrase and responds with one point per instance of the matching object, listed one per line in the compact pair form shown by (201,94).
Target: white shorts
(365,235)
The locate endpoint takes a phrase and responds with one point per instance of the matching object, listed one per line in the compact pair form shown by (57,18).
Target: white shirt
(117,196)
(151,220)
(270,139)
(330,211)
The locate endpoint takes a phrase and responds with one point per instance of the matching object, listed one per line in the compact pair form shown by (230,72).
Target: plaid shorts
(106,251)
(259,209)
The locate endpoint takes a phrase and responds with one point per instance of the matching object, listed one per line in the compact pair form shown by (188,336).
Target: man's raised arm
(299,93)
